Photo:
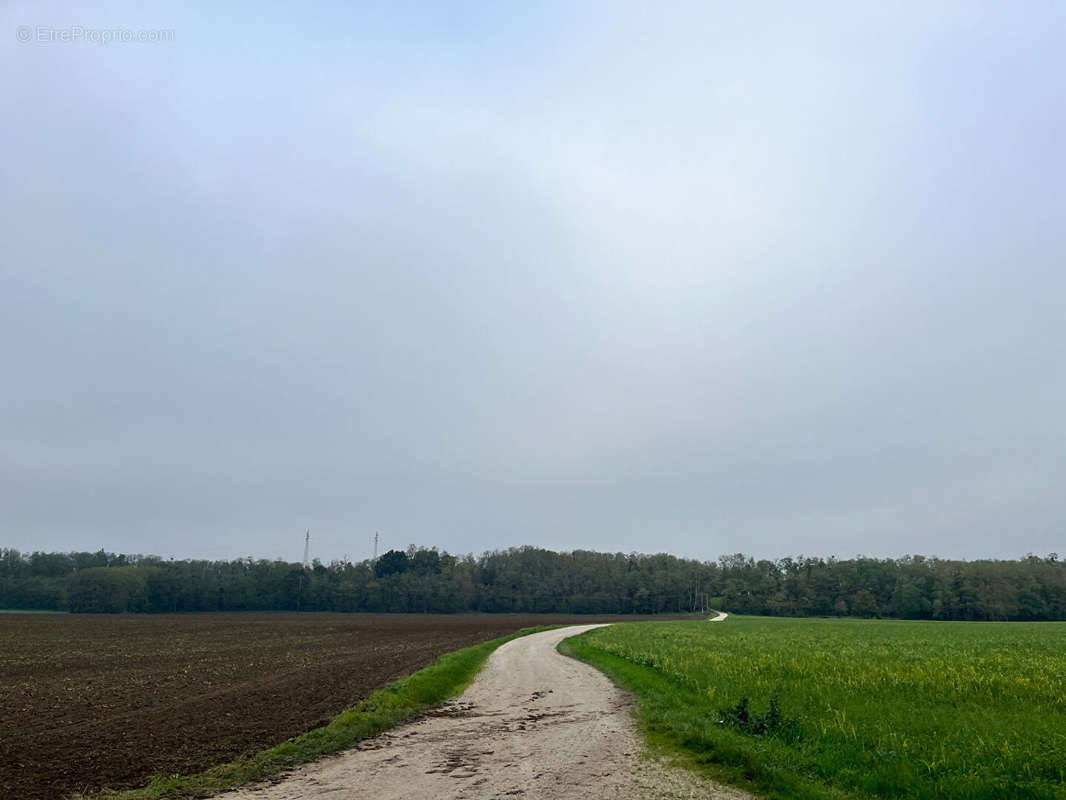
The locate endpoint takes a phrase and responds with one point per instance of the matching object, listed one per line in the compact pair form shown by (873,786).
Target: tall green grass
(867,708)
(399,701)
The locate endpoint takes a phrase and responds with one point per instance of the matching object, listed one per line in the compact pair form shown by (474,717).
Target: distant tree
(108,590)
(864,604)
(393,562)
(532,579)
(425,562)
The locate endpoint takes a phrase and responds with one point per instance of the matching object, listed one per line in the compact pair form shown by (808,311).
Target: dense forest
(529,579)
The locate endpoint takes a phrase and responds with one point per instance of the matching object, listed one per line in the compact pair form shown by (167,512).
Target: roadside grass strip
(399,701)
(819,709)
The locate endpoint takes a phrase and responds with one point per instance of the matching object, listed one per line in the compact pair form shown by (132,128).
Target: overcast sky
(697,278)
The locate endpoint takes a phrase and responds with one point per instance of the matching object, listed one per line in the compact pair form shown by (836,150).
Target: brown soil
(89,701)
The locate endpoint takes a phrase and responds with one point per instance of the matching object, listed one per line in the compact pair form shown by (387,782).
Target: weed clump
(769,723)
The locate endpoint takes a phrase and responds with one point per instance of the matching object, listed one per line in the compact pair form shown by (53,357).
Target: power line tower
(307,549)
(375,545)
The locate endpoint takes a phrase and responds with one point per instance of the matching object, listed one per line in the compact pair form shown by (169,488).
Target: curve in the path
(534,724)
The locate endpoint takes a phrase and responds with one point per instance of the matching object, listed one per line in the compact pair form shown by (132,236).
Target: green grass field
(866,708)
(29,611)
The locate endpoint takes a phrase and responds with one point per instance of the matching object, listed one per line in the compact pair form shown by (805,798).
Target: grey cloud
(699,280)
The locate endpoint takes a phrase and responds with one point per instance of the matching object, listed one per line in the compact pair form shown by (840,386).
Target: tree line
(532,580)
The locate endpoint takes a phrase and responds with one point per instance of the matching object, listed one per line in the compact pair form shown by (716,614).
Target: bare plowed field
(89,701)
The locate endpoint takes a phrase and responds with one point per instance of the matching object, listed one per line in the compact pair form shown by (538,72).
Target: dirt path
(720,618)
(534,724)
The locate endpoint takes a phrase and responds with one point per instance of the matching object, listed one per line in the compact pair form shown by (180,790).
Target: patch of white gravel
(533,724)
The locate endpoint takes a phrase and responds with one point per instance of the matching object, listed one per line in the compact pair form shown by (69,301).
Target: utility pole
(307,548)
(375,545)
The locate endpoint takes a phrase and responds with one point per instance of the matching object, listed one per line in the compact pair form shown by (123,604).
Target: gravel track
(534,724)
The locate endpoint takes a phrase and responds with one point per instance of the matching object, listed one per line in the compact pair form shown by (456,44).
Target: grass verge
(397,702)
